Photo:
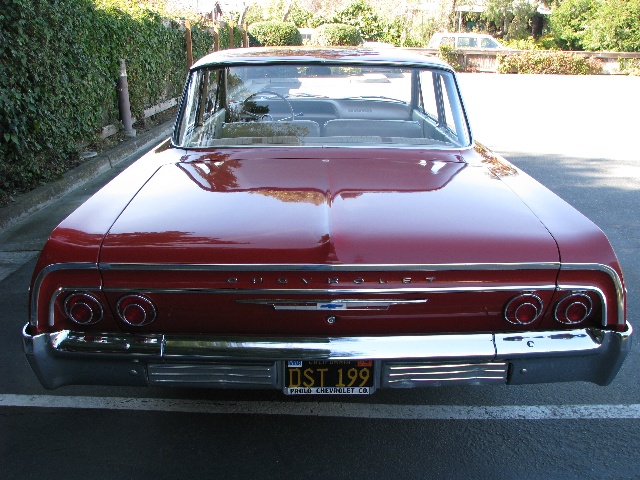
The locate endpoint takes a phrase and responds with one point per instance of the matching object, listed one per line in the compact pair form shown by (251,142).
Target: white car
(478,41)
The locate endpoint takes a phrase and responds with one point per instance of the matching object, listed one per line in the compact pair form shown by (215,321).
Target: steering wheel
(267,116)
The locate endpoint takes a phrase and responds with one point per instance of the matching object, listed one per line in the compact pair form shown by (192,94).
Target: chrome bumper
(73,358)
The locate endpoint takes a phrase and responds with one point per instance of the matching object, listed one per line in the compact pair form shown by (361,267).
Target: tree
(523,14)
(500,13)
(362,16)
(614,27)
(299,16)
(570,21)
(511,18)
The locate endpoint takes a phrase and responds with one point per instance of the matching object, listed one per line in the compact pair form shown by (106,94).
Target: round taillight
(136,310)
(573,309)
(523,309)
(83,308)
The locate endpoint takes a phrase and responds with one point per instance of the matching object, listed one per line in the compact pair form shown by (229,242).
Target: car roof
(396,57)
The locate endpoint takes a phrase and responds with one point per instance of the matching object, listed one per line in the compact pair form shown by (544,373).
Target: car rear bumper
(73,358)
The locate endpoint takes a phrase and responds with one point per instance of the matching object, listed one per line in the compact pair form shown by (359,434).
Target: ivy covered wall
(59,63)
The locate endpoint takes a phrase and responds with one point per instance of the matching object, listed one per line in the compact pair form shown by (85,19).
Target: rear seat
(297,128)
(381,128)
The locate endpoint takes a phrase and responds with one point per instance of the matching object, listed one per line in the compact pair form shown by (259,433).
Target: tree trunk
(287,11)
(505,23)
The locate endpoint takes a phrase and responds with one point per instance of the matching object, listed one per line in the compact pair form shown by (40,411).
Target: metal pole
(123,101)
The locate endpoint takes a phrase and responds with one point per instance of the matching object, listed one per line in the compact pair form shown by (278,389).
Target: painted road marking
(315,409)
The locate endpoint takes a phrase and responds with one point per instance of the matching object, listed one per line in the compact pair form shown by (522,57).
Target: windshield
(321,105)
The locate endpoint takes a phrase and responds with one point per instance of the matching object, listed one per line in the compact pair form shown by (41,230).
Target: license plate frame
(329,377)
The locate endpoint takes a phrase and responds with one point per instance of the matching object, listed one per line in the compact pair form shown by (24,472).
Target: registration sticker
(329,377)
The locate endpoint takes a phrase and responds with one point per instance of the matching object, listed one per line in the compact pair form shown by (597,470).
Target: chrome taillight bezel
(517,303)
(560,312)
(83,299)
(140,302)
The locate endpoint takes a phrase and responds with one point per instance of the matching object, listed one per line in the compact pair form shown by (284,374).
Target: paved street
(574,134)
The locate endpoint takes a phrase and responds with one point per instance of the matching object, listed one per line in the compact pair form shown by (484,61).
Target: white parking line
(332,409)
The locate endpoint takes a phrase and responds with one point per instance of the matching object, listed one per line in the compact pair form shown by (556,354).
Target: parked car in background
(323,222)
(478,41)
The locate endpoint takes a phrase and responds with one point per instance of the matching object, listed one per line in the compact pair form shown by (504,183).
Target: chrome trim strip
(410,374)
(617,281)
(107,343)
(298,267)
(236,374)
(59,292)
(35,294)
(599,292)
(333,304)
(332,291)
(400,367)
(534,343)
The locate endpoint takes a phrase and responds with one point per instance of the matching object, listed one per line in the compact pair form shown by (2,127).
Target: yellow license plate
(329,377)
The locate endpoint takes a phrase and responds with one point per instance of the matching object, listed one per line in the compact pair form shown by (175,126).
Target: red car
(322,222)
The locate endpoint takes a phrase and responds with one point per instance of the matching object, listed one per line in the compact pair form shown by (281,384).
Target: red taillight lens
(573,309)
(83,308)
(136,310)
(523,309)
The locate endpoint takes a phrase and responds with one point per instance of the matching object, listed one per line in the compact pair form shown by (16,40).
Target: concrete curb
(42,196)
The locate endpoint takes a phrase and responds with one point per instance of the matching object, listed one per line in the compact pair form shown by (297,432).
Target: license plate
(329,377)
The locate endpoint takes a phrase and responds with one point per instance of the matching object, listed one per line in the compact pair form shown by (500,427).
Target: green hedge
(272,33)
(336,34)
(449,54)
(629,66)
(60,64)
(548,62)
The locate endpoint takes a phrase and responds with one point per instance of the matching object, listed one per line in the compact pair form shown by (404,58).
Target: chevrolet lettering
(330,280)
(325,234)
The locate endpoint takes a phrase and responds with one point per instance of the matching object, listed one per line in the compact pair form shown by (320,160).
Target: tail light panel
(136,310)
(523,309)
(83,308)
(573,309)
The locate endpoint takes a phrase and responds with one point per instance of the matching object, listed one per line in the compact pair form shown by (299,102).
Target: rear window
(467,42)
(321,105)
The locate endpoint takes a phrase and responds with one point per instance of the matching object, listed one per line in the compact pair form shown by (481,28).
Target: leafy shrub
(317,20)
(336,34)
(400,30)
(362,16)
(547,62)
(224,34)
(60,64)
(569,22)
(271,33)
(300,17)
(449,54)
(630,66)
(614,27)
(530,43)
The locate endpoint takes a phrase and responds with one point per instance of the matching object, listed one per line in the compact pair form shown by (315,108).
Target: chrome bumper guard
(74,358)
